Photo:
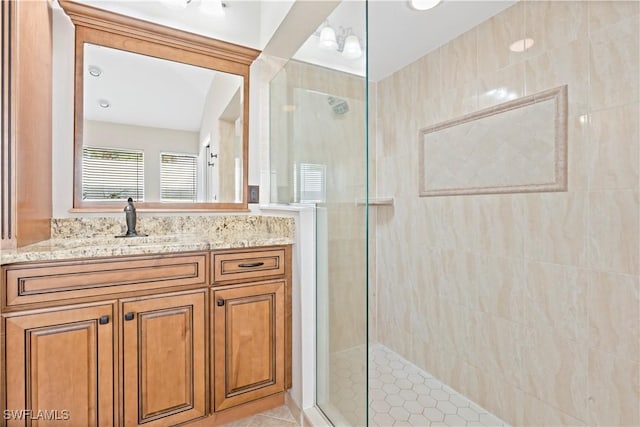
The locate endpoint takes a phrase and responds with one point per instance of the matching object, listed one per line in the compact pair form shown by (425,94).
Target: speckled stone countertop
(95,237)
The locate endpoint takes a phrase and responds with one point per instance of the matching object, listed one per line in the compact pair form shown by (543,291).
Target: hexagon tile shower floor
(401,394)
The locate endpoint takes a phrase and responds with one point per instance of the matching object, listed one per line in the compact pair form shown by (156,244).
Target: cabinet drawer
(248,265)
(27,284)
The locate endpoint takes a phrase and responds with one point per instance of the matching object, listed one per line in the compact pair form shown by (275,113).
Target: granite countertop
(106,246)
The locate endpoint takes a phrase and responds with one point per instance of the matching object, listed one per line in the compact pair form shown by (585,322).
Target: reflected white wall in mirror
(182,117)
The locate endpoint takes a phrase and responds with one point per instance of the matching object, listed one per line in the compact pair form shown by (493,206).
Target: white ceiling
(398,35)
(138,90)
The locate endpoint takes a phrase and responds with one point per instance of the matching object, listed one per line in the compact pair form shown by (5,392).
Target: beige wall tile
(455,335)
(615,64)
(554,23)
(429,76)
(497,347)
(500,284)
(553,370)
(496,36)
(605,13)
(614,390)
(578,147)
(567,64)
(459,100)
(614,314)
(537,412)
(459,269)
(459,60)
(501,86)
(614,231)
(498,396)
(556,299)
(615,147)
(556,227)
(504,238)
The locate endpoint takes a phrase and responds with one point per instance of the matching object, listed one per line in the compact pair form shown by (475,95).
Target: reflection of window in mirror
(112,174)
(178,176)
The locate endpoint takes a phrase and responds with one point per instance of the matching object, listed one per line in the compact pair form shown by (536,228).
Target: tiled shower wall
(527,303)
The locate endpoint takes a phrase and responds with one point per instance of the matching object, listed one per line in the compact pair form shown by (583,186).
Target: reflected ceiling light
(213,8)
(352,49)
(343,41)
(104,103)
(95,71)
(424,4)
(521,45)
(328,39)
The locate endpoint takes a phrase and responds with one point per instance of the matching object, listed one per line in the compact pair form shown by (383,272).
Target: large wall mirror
(161,115)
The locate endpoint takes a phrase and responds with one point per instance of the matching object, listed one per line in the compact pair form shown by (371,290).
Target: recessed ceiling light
(104,103)
(94,71)
(521,45)
(424,4)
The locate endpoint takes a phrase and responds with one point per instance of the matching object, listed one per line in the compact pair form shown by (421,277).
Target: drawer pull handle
(251,264)
(128,316)
(220,302)
(103,320)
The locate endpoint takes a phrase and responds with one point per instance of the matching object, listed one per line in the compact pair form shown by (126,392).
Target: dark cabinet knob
(128,316)
(103,320)
(220,302)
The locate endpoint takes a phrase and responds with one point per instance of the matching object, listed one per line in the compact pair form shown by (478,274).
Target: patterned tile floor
(400,393)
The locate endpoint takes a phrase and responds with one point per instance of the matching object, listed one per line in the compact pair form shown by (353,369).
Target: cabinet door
(60,367)
(164,349)
(249,343)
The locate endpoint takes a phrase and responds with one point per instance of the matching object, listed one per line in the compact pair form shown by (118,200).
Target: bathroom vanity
(147,338)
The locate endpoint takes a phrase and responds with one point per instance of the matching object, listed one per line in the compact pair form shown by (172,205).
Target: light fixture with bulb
(423,4)
(213,8)
(343,41)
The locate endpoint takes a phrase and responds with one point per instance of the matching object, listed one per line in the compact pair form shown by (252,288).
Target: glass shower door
(318,139)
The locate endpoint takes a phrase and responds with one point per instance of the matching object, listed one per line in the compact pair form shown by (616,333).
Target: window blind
(178,174)
(112,174)
(311,183)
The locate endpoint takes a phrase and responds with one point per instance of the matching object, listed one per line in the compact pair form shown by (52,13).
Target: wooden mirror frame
(104,28)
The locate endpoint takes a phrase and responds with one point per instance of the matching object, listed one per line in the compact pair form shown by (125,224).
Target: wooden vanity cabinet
(62,362)
(248,343)
(138,358)
(251,315)
(146,340)
(164,359)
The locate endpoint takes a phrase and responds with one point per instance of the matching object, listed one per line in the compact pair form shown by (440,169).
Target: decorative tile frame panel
(515,147)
